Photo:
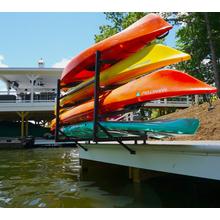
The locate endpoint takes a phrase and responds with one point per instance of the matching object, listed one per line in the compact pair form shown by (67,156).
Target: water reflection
(49,178)
(53,178)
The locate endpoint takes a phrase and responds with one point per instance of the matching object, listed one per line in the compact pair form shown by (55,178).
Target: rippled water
(49,178)
(53,178)
(38,178)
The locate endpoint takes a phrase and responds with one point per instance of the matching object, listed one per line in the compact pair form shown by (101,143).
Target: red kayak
(115,48)
(157,85)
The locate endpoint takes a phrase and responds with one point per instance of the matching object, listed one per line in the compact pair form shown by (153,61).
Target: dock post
(22,124)
(134,174)
(130,173)
(26,124)
(22,116)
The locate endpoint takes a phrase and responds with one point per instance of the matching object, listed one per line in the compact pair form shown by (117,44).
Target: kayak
(115,48)
(147,59)
(187,126)
(157,85)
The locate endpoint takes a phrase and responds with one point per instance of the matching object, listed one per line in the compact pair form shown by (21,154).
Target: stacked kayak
(157,85)
(142,62)
(115,48)
(131,78)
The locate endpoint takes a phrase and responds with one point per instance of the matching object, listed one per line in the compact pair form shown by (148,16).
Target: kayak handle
(163,35)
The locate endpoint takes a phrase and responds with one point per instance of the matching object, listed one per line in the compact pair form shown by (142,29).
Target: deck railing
(49,97)
(176,102)
(13,97)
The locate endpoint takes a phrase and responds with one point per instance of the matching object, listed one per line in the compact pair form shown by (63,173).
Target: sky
(26,37)
(55,37)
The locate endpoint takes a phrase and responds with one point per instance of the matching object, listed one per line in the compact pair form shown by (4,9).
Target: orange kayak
(159,84)
(140,63)
(115,48)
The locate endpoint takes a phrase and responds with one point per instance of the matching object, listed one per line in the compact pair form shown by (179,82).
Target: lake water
(53,177)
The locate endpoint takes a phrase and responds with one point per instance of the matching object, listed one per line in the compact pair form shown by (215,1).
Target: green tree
(119,21)
(199,35)
(213,41)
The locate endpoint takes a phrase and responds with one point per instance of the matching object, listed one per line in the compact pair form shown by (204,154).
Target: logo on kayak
(138,94)
(154,91)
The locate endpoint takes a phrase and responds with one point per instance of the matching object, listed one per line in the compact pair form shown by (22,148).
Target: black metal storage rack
(96,124)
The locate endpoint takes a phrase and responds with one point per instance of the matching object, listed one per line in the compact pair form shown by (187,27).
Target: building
(29,95)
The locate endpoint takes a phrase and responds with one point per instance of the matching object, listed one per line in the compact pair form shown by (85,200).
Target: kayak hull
(115,48)
(146,60)
(187,126)
(160,84)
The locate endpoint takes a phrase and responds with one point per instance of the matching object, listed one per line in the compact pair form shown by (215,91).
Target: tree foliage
(192,37)
(119,21)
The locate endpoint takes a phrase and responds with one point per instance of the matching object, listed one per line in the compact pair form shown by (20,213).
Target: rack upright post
(96,96)
(57,112)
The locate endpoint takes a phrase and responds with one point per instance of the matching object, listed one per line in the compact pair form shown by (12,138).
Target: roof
(44,77)
(30,71)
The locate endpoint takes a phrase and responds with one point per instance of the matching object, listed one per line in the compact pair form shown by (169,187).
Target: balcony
(13,102)
(45,101)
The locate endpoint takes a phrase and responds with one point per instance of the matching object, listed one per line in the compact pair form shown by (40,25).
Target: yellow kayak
(145,60)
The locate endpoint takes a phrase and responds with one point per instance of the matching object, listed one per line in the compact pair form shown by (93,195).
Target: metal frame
(96,117)
(57,129)
(96,96)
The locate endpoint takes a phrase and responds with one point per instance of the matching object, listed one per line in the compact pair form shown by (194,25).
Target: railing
(49,97)
(181,101)
(13,97)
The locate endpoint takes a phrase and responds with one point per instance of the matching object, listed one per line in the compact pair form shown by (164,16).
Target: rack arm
(116,139)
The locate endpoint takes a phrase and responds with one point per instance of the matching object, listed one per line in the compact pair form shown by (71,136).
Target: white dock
(192,158)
